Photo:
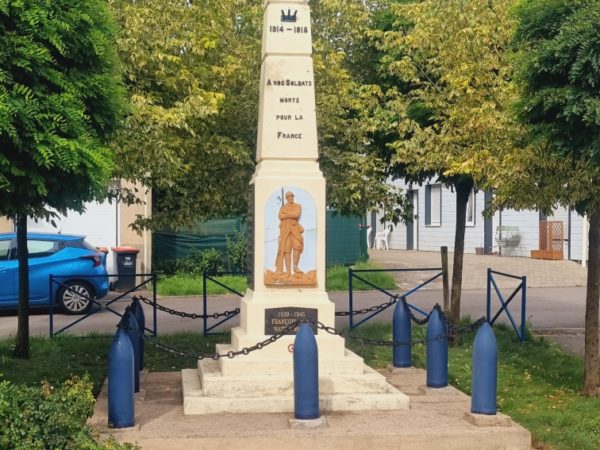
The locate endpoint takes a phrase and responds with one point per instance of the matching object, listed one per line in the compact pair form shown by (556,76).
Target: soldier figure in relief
(291,241)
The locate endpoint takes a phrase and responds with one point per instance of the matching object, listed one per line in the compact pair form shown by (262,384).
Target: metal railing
(522,287)
(352,274)
(54,284)
(211,276)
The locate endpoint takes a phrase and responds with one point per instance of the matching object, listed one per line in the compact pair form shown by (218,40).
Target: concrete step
(250,401)
(214,384)
(263,364)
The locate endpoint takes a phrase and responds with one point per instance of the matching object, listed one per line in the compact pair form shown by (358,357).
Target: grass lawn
(538,383)
(185,284)
(337,280)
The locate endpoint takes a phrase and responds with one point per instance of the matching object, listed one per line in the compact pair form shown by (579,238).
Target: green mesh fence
(346,239)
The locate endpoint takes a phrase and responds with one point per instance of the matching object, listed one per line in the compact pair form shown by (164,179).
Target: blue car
(73,262)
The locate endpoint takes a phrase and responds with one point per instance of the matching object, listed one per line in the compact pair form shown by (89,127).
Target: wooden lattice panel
(551,241)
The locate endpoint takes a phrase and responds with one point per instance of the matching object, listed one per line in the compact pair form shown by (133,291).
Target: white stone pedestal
(262,381)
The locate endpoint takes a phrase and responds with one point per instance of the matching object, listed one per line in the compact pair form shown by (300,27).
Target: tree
(448,107)
(559,74)
(348,95)
(60,99)
(193,71)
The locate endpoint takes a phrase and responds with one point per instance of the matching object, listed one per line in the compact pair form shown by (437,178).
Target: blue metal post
(350,298)
(485,376)
(132,329)
(138,313)
(523,307)
(489,296)
(402,333)
(121,405)
(306,374)
(437,350)
(154,281)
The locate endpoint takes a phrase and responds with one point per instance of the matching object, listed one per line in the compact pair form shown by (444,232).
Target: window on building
(471,210)
(433,204)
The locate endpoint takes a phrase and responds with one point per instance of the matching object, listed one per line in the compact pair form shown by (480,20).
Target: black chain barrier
(276,337)
(452,331)
(394,300)
(214,356)
(174,312)
(147,301)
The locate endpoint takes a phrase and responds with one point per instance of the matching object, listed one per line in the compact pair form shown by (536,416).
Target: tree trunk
(22,344)
(591,374)
(463,190)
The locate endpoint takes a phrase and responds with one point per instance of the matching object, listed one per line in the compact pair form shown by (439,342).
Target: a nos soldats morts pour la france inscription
(291,114)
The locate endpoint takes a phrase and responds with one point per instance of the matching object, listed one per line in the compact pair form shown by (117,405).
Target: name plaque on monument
(278,319)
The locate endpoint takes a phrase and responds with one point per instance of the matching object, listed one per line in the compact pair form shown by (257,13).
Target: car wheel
(77,299)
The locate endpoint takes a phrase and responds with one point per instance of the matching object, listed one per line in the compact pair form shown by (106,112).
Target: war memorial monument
(287,210)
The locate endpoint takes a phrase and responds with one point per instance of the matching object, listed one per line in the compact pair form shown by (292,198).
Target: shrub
(237,252)
(49,417)
(198,261)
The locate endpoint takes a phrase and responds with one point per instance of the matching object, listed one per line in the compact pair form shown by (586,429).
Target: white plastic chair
(382,238)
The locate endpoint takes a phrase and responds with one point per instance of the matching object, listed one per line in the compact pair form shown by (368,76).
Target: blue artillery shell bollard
(402,333)
(437,350)
(306,374)
(138,313)
(485,371)
(121,412)
(133,333)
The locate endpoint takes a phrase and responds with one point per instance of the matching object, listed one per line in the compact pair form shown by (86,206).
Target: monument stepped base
(344,385)
(432,422)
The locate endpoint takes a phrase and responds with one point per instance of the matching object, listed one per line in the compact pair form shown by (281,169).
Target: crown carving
(289,17)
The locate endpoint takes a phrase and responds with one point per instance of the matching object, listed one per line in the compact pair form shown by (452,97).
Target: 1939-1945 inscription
(278,319)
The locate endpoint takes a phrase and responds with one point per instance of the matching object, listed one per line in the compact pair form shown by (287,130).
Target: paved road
(557,312)
(539,273)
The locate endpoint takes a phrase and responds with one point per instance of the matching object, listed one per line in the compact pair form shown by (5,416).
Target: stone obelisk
(287,256)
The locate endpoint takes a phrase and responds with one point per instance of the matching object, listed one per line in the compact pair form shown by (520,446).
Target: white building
(509,232)
(103,225)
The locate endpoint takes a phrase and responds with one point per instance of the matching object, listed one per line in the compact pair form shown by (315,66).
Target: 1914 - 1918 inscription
(278,319)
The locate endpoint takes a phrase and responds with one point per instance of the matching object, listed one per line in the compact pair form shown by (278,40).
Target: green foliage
(237,252)
(559,75)
(49,417)
(348,97)
(193,70)
(60,99)
(198,261)
(449,101)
